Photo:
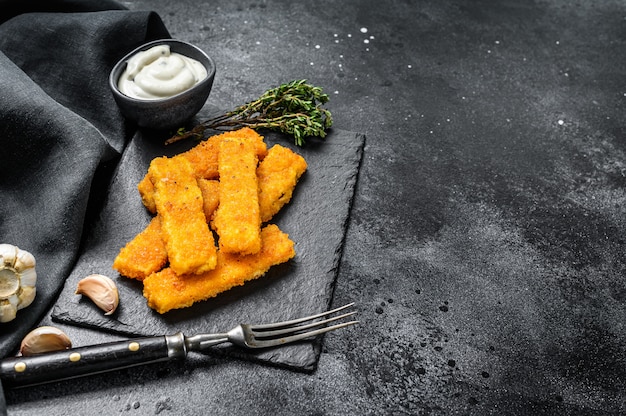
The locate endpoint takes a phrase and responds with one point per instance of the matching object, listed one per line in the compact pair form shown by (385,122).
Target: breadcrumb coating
(204,160)
(167,290)
(278,175)
(237,220)
(210,196)
(144,254)
(231,183)
(189,242)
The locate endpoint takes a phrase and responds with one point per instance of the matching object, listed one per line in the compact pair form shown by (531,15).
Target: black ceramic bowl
(166,112)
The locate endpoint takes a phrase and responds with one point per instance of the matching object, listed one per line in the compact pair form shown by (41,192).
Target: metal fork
(93,359)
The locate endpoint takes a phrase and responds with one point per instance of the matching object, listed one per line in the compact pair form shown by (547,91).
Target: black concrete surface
(485,249)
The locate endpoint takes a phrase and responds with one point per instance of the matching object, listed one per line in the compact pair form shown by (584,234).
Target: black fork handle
(94,359)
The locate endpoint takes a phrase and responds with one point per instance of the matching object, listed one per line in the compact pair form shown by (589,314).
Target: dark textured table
(485,247)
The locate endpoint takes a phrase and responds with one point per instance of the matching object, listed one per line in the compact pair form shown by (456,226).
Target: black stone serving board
(315,219)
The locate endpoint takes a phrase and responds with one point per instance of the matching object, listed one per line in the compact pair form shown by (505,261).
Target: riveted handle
(82,361)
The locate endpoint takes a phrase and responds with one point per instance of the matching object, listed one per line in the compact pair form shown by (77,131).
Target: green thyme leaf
(294,108)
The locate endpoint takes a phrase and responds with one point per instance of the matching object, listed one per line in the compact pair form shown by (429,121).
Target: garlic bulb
(17,281)
(101,290)
(44,339)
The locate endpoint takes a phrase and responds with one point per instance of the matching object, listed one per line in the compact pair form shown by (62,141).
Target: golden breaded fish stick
(146,191)
(178,199)
(210,196)
(204,156)
(144,254)
(204,159)
(237,220)
(278,175)
(166,290)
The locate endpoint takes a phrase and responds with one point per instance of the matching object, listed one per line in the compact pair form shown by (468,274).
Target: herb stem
(294,108)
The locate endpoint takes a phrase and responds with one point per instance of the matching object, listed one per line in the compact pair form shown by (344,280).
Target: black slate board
(315,220)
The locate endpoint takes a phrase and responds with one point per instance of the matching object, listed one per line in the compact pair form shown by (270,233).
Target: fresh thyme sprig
(294,108)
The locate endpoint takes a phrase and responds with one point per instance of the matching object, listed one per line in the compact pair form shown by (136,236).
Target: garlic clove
(26,297)
(44,339)
(28,277)
(8,312)
(24,260)
(8,308)
(8,254)
(17,280)
(101,290)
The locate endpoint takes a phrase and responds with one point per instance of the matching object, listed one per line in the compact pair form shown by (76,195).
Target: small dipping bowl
(166,112)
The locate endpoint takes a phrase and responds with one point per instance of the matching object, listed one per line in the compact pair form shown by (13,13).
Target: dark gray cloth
(60,130)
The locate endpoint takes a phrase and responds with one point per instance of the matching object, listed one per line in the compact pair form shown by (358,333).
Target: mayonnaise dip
(157,73)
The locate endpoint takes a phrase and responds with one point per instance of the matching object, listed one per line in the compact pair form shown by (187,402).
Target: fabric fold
(61,133)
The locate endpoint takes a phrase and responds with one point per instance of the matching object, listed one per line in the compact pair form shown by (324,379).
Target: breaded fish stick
(204,160)
(166,290)
(210,196)
(189,242)
(278,175)
(237,220)
(144,254)
(204,156)
(146,191)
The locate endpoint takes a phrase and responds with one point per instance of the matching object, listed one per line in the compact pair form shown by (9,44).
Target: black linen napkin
(60,130)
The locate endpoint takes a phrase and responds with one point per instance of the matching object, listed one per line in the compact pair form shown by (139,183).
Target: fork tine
(299,320)
(309,334)
(269,333)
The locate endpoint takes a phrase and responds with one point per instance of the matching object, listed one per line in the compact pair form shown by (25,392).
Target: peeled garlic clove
(44,339)
(101,290)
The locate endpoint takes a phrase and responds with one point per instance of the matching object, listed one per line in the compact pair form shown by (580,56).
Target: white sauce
(158,73)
